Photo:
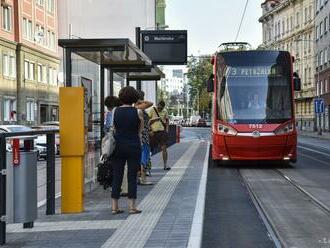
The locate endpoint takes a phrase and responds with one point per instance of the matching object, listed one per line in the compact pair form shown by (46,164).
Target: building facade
(289,25)
(29,84)
(8,74)
(160,12)
(106,19)
(174,80)
(322,75)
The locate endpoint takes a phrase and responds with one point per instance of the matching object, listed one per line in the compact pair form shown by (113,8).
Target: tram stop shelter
(112,56)
(91,69)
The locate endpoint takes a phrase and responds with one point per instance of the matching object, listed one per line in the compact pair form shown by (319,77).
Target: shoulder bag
(109,141)
(152,133)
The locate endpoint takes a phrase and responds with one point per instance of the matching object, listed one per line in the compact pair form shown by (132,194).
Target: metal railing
(50,186)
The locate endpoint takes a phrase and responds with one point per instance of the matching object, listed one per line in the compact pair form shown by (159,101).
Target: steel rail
(312,198)
(272,233)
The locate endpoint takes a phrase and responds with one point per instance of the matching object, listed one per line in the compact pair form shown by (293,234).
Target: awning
(116,54)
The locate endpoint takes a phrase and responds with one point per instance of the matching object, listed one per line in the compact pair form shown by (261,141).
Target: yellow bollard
(72,133)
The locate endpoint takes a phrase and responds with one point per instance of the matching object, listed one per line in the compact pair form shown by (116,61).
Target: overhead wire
(241,22)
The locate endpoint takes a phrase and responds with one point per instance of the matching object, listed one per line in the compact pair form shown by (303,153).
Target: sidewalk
(314,142)
(325,135)
(166,221)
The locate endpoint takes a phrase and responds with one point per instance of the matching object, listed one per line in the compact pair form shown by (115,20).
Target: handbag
(105,173)
(109,142)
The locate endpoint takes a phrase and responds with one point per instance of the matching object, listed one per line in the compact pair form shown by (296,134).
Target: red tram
(253,105)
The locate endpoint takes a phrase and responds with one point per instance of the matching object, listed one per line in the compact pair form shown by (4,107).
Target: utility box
(22,195)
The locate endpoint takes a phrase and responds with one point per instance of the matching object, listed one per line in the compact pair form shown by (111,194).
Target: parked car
(41,140)
(201,123)
(194,120)
(42,151)
(51,123)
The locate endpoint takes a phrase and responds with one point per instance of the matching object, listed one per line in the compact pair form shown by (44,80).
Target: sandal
(117,211)
(134,211)
(146,183)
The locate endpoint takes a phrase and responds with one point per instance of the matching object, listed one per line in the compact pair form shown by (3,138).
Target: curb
(196,232)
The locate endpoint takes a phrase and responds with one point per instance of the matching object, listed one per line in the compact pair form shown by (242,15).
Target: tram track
(312,198)
(273,231)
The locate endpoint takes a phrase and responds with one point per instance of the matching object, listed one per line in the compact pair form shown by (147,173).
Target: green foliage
(199,70)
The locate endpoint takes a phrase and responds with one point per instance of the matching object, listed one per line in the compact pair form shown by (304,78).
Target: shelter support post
(102,71)
(67,67)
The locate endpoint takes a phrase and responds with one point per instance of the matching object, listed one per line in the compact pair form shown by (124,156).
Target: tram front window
(257,93)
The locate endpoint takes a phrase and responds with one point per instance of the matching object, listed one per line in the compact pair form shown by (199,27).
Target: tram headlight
(223,129)
(288,128)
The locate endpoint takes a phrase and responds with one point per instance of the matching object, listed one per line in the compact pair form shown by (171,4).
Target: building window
(28,70)
(306,15)
(44,77)
(9,110)
(317,32)
(6,18)
(321,58)
(12,66)
(297,19)
(275,32)
(30,110)
(53,40)
(5,65)
(27,29)
(40,75)
(325,56)
(9,66)
(326,86)
(52,76)
(40,2)
(50,6)
(39,37)
(321,29)
(325,25)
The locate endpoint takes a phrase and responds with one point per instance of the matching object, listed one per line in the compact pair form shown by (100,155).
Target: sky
(212,22)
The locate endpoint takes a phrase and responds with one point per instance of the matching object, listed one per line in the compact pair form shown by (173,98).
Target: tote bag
(109,141)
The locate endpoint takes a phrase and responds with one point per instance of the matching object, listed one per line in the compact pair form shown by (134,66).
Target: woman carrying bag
(128,125)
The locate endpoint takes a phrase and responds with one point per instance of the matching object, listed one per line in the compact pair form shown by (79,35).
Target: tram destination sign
(165,47)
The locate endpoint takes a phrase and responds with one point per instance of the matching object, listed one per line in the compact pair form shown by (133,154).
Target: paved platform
(169,218)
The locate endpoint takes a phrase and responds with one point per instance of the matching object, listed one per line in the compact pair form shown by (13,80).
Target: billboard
(165,47)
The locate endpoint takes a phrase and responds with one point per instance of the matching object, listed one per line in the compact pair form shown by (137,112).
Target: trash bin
(22,184)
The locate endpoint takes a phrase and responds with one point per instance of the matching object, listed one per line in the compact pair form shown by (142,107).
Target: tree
(199,70)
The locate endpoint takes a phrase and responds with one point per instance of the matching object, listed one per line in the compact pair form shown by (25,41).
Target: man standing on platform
(159,124)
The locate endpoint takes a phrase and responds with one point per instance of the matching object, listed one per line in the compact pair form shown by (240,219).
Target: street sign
(165,47)
(319,106)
